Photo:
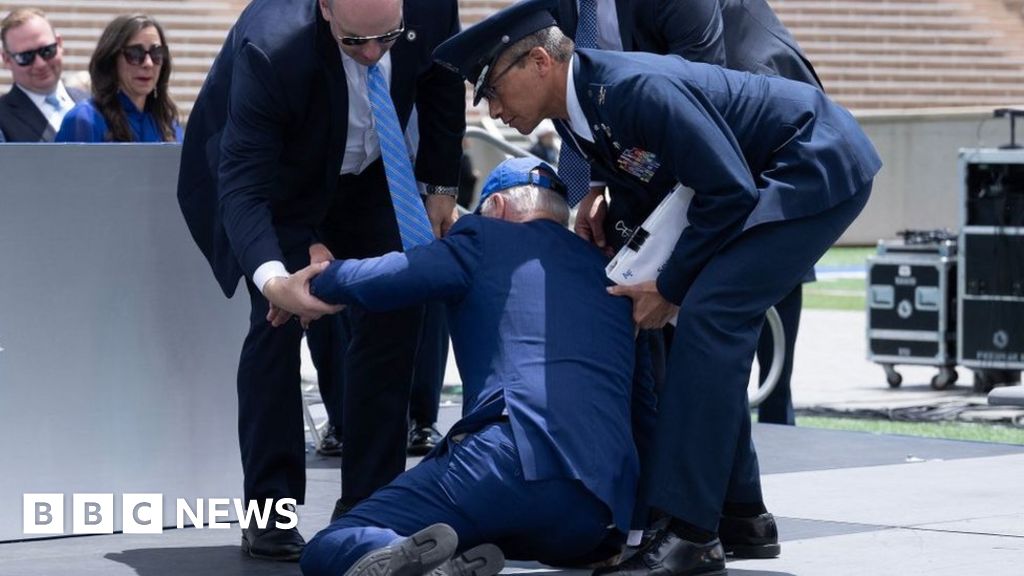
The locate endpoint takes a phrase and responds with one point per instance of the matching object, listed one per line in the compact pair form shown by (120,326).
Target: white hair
(530,202)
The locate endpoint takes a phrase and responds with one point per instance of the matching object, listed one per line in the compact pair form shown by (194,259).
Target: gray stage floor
(848,503)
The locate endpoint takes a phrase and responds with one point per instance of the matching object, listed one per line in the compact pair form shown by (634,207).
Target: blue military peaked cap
(473,51)
(521,172)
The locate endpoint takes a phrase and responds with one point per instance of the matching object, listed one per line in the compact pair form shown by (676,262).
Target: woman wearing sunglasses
(129,71)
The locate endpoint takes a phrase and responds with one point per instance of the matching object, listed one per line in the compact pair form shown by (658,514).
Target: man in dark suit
(779,171)
(738,34)
(35,106)
(529,467)
(292,143)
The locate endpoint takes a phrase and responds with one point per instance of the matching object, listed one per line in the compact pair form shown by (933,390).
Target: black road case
(991,277)
(911,305)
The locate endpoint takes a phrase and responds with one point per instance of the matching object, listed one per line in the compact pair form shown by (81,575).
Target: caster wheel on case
(893,377)
(944,379)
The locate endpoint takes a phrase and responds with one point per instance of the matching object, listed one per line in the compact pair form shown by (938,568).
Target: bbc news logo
(144,513)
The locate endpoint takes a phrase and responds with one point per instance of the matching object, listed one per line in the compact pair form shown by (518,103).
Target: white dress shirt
(362,146)
(53,116)
(577,120)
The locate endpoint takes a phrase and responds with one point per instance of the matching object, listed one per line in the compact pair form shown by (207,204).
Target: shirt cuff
(266,271)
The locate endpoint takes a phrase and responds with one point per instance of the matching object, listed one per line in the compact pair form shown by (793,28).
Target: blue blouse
(85,123)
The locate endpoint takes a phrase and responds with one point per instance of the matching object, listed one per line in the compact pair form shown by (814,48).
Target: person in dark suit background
(34,107)
(528,467)
(283,151)
(738,34)
(779,171)
(544,146)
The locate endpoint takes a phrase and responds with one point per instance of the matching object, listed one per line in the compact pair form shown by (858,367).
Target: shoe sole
(761,551)
(418,450)
(482,560)
(416,555)
(247,549)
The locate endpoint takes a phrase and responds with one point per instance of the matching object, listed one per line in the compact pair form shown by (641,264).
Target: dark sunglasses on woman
(27,57)
(136,54)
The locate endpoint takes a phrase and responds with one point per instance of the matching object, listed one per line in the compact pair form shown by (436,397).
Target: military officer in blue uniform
(542,462)
(779,172)
(738,34)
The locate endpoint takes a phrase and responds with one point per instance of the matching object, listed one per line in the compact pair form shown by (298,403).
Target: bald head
(380,15)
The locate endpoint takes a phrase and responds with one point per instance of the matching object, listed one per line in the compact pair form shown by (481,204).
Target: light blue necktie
(53,101)
(574,170)
(413,224)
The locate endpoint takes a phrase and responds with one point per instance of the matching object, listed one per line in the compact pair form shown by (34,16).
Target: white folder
(648,249)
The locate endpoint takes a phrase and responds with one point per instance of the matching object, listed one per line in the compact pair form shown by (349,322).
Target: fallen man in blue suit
(542,464)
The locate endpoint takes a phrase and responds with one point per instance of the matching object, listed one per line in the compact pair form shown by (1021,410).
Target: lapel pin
(600,96)
(410,35)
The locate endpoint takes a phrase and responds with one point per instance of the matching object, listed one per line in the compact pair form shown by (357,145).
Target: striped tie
(572,167)
(413,224)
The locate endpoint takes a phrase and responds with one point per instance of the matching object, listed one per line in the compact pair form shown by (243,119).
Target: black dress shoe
(670,555)
(330,444)
(416,555)
(339,510)
(422,439)
(752,537)
(273,543)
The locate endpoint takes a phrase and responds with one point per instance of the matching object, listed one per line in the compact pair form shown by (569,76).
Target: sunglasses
(27,57)
(136,54)
(385,38)
(488,89)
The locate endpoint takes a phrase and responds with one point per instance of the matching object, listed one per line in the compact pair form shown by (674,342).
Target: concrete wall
(117,369)
(918,187)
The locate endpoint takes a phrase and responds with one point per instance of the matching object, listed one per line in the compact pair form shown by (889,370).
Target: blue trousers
(476,486)
(777,408)
(703,454)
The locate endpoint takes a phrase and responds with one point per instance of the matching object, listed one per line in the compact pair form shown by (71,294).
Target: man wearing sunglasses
(291,144)
(35,106)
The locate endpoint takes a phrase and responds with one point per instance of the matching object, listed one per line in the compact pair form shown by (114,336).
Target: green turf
(835,294)
(947,430)
(838,293)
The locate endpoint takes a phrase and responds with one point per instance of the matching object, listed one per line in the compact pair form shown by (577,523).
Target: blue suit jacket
(264,143)
(535,334)
(689,28)
(738,34)
(754,148)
